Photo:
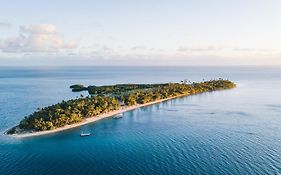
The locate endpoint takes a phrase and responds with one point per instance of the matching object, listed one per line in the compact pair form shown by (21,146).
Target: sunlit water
(234,131)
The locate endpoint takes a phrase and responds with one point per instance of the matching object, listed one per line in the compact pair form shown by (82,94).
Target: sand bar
(90,119)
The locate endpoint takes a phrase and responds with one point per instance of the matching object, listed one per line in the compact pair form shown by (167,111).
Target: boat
(85,134)
(119,115)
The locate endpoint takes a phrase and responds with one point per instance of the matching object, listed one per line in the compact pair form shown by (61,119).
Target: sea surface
(235,131)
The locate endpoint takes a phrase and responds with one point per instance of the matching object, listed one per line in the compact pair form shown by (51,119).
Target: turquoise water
(234,131)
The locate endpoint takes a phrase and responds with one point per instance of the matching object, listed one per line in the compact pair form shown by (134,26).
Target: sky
(140,32)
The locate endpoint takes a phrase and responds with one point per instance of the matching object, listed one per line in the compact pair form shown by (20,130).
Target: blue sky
(140,32)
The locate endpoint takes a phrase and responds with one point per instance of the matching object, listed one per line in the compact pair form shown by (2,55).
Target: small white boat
(85,134)
(120,115)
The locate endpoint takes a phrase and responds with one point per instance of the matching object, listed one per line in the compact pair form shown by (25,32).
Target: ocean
(235,131)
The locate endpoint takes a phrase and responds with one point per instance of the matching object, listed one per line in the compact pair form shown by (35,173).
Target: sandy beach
(91,119)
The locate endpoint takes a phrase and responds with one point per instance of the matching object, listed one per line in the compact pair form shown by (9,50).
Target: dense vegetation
(112,89)
(78,87)
(120,89)
(108,98)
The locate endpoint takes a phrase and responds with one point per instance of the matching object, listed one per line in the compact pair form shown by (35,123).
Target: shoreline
(91,119)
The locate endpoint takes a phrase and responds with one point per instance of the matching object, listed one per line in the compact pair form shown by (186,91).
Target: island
(107,101)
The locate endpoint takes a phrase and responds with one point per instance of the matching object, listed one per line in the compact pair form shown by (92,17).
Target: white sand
(91,119)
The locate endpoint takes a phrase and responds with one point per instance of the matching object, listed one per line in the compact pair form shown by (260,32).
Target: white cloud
(39,29)
(138,47)
(5,25)
(198,49)
(37,38)
(253,50)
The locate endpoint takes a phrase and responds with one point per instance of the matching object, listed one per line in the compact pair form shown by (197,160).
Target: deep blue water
(234,131)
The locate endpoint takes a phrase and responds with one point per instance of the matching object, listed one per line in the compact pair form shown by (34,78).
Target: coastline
(91,119)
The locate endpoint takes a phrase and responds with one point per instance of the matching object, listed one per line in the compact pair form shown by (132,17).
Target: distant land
(107,101)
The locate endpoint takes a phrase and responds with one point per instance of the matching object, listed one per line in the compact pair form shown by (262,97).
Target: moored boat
(120,115)
(85,134)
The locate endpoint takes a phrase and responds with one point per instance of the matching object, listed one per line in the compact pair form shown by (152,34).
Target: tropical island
(106,101)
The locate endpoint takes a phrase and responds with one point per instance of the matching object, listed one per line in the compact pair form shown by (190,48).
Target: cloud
(37,38)
(39,29)
(97,51)
(252,50)
(5,25)
(244,49)
(198,49)
(138,47)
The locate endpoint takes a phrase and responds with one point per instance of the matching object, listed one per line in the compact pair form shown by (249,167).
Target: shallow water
(234,131)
